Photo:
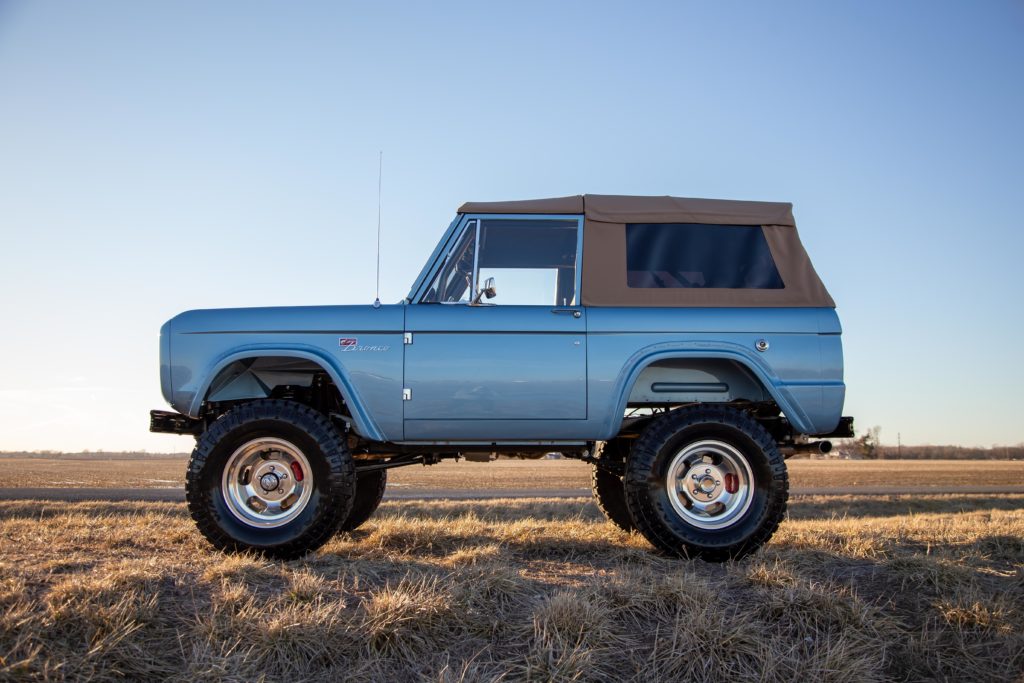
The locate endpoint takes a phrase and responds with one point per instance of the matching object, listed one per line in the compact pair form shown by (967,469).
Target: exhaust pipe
(820,447)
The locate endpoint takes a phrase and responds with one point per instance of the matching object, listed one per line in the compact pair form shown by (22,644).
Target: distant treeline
(893,452)
(952,453)
(90,455)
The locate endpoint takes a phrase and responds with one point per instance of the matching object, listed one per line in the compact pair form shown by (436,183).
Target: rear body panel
(622,341)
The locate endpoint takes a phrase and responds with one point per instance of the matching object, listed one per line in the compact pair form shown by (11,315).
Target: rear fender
(693,351)
(693,380)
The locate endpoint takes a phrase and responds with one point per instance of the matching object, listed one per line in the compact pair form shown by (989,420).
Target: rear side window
(694,255)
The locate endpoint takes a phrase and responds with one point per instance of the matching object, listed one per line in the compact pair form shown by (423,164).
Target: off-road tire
(369,492)
(647,497)
(608,489)
(333,470)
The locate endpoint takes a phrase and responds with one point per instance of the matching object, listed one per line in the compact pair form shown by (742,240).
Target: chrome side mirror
(489,290)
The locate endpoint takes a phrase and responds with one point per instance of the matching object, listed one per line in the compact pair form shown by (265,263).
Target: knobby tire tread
(647,511)
(332,508)
(608,488)
(369,493)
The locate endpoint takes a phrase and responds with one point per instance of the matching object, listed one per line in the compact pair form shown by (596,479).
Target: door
(503,364)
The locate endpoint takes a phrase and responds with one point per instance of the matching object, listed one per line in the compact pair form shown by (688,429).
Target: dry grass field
(802,472)
(163,472)
(850,589)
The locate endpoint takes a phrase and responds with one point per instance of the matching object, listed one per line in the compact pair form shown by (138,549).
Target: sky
(162,156)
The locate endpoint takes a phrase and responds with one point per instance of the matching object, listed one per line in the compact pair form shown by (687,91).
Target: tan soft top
(604,275)
(615,208)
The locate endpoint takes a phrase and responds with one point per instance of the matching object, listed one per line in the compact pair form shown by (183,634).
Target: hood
(294,319)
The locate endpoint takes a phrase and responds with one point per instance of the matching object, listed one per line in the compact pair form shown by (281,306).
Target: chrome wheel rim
(710,484)
(267,482)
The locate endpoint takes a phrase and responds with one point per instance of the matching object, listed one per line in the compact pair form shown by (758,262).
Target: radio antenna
(380,175)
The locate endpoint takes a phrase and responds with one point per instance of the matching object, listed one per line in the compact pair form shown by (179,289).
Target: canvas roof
(604,277)
(610,208)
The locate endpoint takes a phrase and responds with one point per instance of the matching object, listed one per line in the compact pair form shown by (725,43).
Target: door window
(532,262)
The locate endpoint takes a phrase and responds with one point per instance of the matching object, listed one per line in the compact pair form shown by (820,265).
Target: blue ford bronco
(682,347)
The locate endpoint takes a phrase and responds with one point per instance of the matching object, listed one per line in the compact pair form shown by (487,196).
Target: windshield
(435,255)
(453,283)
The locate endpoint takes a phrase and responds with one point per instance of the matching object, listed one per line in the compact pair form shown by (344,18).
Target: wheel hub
(267,482)
(706,481)
(710,484)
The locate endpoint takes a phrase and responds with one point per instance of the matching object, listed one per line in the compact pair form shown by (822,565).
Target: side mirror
(490,290)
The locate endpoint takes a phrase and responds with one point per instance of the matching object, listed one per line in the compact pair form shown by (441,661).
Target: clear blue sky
(156,157)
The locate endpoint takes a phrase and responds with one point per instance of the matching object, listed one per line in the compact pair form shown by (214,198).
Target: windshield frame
(426,274)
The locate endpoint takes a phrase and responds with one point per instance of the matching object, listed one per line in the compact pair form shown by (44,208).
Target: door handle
(574,311)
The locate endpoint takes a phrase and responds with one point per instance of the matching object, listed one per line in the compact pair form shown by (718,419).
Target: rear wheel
(369,492)
(706,482)
(607,486)
(270,476)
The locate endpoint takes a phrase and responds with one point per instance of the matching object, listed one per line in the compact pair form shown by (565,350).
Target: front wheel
(270,476)
(369,493)
(706,482)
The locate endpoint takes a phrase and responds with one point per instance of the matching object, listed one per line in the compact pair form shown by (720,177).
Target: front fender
(363,422)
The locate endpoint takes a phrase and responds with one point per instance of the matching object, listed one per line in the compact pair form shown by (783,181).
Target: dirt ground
(850,589)
(162,472)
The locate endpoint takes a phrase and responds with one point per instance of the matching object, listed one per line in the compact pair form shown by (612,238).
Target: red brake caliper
(297,471)
(732,482)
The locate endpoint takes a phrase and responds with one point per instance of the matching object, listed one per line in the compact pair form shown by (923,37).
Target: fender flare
(364,423)
(648,355)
